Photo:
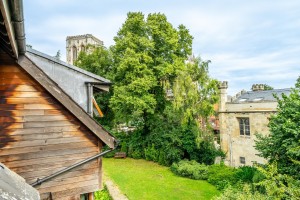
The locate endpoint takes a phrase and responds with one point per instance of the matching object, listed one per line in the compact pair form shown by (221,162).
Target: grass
(141,179)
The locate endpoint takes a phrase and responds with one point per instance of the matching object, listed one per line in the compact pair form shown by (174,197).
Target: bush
(222,176)
(151,153)
(190,169)
(245,192)
(102,194)
(245,174)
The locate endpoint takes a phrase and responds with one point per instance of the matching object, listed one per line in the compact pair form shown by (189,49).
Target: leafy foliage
(246,192)
(268,87)
(102,194)
(222,176)
(283,143)
(98,61)
(273,185)
(148,59)
(190,169)
(148,53)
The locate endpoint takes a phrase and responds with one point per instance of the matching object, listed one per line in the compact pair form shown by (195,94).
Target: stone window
(244,126)
(82,48)
(74,53)
(243,160)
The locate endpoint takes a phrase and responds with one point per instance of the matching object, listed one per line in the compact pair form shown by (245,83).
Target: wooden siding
(38,137)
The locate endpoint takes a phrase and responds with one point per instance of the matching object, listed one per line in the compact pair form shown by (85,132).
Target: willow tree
(195,92)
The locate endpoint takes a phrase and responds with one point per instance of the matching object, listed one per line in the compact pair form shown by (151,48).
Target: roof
(13,186)
(262,96)
(12,34)
(64,64)
(57,92)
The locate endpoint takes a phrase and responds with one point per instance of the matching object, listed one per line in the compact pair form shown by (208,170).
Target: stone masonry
(78,43)
(256,106)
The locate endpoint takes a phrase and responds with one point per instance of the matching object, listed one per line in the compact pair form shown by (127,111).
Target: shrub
(222,176)
(151,153)
(245,174)
(102,194)
(245,192)
(190,169)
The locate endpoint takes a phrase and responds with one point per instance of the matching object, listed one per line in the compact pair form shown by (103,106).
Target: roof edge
(6,13)
(51,58)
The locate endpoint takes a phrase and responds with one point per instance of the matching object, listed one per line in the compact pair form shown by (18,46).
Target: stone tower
(75,44)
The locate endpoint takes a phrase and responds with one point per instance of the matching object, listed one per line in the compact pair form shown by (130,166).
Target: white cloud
(247,41)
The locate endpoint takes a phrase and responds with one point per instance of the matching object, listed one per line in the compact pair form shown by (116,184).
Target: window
(74,54)
(82,48)
(87,196)
(242,160)
(244,126)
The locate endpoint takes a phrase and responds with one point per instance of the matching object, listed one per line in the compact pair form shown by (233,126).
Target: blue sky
(247,42)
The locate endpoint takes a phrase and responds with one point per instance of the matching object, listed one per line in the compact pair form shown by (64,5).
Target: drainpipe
(230,150)
(40,181)
(18,23)
(89,99)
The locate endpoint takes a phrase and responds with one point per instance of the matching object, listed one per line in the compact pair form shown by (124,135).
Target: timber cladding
(38,137)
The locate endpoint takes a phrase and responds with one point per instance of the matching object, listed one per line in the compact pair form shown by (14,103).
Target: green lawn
(142,180)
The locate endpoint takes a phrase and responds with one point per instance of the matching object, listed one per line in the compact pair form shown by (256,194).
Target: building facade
(78,43)
(241,118)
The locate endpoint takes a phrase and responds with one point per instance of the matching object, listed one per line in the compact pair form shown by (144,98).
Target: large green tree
(148,55)
(283,143)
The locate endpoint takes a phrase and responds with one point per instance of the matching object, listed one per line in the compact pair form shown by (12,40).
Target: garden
(141,179)
(167,97)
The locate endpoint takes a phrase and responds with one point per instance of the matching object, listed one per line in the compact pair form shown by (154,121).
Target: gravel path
(113,189)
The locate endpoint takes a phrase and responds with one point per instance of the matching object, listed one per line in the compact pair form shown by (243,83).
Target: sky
(247,42)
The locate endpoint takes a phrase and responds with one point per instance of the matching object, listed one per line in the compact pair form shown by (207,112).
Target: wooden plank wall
(38,137)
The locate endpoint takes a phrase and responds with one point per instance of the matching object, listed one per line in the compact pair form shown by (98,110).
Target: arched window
(82,48)
(74,49)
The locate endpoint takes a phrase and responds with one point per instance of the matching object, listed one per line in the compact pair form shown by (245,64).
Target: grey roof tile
(262,96)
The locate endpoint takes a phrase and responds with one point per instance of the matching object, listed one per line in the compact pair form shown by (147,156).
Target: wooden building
(45,135)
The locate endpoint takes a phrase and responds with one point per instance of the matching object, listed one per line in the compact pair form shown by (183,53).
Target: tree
(268,87)
(195,92)
(148,55)
(99,61)
(283,143)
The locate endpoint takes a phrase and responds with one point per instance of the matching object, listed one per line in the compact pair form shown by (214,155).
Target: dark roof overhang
(12,32)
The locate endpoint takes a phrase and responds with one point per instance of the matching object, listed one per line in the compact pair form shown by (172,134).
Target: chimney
(258,87)
(223,85)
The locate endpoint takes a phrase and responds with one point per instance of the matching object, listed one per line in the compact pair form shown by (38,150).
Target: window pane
(242,160)
(244,126)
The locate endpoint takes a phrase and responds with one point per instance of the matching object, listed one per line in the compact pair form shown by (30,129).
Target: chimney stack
(223,85)
(258,87)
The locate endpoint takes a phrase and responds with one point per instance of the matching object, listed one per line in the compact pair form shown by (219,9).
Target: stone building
(241,118)
(78,43)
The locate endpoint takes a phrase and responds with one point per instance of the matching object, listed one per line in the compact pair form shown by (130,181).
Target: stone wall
(232,143)
(76,44)
(236,145)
